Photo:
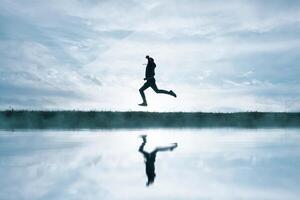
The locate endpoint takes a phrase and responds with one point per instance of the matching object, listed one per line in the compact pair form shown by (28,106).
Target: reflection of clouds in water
(210,164)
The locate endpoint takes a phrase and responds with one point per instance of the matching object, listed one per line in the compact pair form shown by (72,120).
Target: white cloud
(95,50)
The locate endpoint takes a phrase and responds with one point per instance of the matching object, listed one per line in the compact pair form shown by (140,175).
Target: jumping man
(150,158)
(150,81)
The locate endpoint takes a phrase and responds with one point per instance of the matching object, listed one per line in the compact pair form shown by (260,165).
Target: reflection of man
(150,81)
(150,158)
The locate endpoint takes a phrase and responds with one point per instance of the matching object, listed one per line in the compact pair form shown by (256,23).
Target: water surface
(106,164)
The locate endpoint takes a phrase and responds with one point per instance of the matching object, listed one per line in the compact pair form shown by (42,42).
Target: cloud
(95,50)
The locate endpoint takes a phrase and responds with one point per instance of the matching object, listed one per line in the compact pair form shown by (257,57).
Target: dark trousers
(151,83)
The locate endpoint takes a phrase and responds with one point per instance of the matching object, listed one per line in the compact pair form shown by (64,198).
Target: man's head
(150,59)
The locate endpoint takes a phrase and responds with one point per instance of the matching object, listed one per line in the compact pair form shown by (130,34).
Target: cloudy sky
(89,54)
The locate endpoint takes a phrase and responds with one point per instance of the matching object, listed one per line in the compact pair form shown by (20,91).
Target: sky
(218,56)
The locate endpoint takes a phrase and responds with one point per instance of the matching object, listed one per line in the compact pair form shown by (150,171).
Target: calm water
(207,164)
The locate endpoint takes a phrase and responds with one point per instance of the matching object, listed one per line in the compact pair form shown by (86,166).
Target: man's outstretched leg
(154,87)
(167,148)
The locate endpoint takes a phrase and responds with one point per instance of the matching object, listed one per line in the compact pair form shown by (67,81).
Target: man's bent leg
(142,89)
(141,148)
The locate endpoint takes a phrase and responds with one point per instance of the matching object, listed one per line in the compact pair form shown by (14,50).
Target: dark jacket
(150,69)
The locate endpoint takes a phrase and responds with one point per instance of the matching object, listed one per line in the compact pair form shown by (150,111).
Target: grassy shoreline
(23,119)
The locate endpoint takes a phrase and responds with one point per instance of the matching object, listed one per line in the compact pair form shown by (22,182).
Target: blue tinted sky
(88,54)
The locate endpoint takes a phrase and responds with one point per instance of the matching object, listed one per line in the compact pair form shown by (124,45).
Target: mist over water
(106,164)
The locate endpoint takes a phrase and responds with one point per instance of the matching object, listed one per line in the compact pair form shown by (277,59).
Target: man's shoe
(174,146)
(143,136)
(173,93)
(143,104)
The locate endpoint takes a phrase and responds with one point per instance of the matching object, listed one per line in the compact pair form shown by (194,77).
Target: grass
(23,119)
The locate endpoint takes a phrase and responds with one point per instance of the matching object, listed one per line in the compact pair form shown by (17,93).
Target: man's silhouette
(150,81)
(150,158)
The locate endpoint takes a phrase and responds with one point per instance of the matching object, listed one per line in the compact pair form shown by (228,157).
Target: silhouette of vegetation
(23,119)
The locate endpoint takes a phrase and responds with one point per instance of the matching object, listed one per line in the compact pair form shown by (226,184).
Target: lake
(107,164)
